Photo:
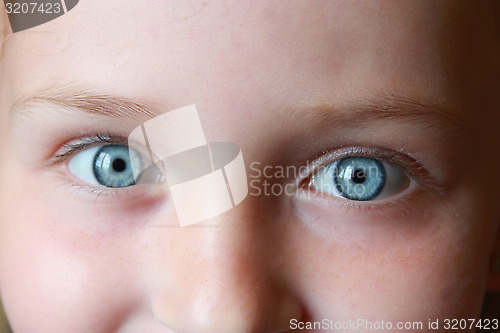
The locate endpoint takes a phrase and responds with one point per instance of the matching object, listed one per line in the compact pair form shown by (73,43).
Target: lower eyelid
(92,195)
(398,205)
(329,200)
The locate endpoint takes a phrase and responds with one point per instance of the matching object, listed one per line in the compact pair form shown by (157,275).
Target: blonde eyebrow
(388,107)
(90,102)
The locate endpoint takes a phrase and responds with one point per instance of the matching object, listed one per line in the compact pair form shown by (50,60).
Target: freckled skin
(70,263)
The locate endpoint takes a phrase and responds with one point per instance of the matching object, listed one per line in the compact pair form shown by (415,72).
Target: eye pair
(357,178)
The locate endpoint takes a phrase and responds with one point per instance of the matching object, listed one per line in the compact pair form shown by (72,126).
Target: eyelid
(70,148)
(111,196)
(100,194)
(412,168)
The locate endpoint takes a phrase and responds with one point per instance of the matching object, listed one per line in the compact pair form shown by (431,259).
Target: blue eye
(109,165)
(360,179)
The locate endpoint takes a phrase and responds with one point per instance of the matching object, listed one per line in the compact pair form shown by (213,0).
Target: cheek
(35,275)
(430,271)
(49,271)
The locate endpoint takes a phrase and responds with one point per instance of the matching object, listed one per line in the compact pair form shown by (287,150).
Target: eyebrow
(358,113)
(87,101)
(389,107)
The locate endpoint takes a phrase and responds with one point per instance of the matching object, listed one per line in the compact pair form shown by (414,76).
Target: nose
(225,279)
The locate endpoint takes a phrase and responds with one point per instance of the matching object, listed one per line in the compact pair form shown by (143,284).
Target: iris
(359,178)
(112,166)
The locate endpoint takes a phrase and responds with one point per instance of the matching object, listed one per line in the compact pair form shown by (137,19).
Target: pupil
(359,176)
(119,165)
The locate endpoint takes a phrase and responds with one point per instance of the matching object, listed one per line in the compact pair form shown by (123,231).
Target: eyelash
(86,191)
(410,166)
(68,149)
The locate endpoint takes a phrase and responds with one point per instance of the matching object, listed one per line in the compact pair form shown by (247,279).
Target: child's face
(413,84)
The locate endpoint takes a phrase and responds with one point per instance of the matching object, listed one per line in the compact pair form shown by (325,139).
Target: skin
(71,261)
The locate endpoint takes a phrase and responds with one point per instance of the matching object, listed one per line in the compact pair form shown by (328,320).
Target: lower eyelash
(89,193)
(106,196)
(399,206)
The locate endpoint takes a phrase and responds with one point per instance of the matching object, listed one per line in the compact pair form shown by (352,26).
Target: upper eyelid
(68,149)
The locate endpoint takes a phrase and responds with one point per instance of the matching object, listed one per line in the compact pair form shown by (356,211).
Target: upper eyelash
(72,147)
(404,162)
(68,149)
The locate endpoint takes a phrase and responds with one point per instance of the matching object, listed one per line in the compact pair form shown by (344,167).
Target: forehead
(325,47)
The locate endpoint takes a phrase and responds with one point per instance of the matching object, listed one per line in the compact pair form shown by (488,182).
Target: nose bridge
(230,286)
